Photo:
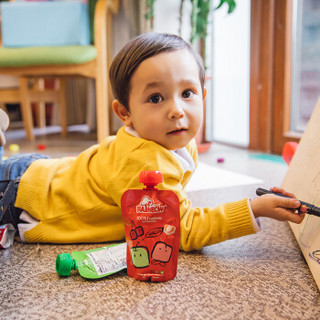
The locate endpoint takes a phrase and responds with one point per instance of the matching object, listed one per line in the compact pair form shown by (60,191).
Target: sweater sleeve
(201,227)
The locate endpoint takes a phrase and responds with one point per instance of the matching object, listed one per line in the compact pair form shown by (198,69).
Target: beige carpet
(262,276)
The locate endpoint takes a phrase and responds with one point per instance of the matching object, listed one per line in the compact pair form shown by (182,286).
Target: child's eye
(187,94)
(155,99)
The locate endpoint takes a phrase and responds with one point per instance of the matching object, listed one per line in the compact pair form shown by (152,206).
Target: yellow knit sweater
(78,199)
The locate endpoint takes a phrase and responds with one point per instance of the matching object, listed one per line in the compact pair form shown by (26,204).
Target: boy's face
(166,100)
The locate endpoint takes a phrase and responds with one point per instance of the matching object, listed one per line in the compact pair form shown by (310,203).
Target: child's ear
(121,111)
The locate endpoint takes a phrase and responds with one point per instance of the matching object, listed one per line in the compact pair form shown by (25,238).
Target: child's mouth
(177,132)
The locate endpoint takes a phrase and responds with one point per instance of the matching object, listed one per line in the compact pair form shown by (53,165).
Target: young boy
(158,85)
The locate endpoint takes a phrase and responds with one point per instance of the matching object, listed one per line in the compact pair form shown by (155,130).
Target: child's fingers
(289,207)
(289,203)
(282,191)
(292,204)
(277,189)
(294,217)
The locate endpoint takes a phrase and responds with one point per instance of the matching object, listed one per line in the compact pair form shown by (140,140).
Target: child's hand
(277,207)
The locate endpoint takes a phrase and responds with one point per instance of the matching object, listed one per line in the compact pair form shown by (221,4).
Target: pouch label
(147,205)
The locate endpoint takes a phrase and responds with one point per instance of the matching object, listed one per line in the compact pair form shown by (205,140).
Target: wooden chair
(32,90)
(87,61)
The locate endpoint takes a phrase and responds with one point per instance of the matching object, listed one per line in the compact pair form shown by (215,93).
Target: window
(305,62)
(229,66)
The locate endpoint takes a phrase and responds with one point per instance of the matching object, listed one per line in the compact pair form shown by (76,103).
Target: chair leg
(103,128)
(26,108)
(41,114)
(63,106)
(3,107)
(41,105)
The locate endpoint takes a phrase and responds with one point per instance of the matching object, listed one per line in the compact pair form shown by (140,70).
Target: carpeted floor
(262,276)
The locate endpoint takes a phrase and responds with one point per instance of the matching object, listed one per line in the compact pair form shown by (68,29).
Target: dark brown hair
(139,49)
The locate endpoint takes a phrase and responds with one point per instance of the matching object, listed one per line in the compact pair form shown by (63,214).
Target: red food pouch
(152,229)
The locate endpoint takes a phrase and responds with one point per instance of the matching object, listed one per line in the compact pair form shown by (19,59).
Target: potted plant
(199,17)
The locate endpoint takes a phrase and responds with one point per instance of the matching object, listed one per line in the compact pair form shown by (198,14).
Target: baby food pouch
(95,263)
(152,229)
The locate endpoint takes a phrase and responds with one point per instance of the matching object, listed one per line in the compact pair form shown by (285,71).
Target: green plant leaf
(231,5)
(150,9)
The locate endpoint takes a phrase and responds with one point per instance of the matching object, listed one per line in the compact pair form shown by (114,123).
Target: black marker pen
(313,210)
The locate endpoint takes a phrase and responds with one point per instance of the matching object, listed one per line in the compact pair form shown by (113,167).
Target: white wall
(167,17)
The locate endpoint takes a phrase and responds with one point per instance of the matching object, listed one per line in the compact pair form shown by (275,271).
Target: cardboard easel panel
(303,179)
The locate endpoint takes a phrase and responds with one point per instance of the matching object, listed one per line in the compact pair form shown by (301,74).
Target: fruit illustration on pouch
(161,252)
(136,233)
(169,230)
(140,257)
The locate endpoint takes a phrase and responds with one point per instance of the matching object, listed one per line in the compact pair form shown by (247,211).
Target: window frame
(270,75)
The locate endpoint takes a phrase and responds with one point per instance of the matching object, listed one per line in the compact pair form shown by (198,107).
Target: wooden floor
(49,141)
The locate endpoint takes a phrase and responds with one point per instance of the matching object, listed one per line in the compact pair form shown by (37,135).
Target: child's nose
(176,112)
